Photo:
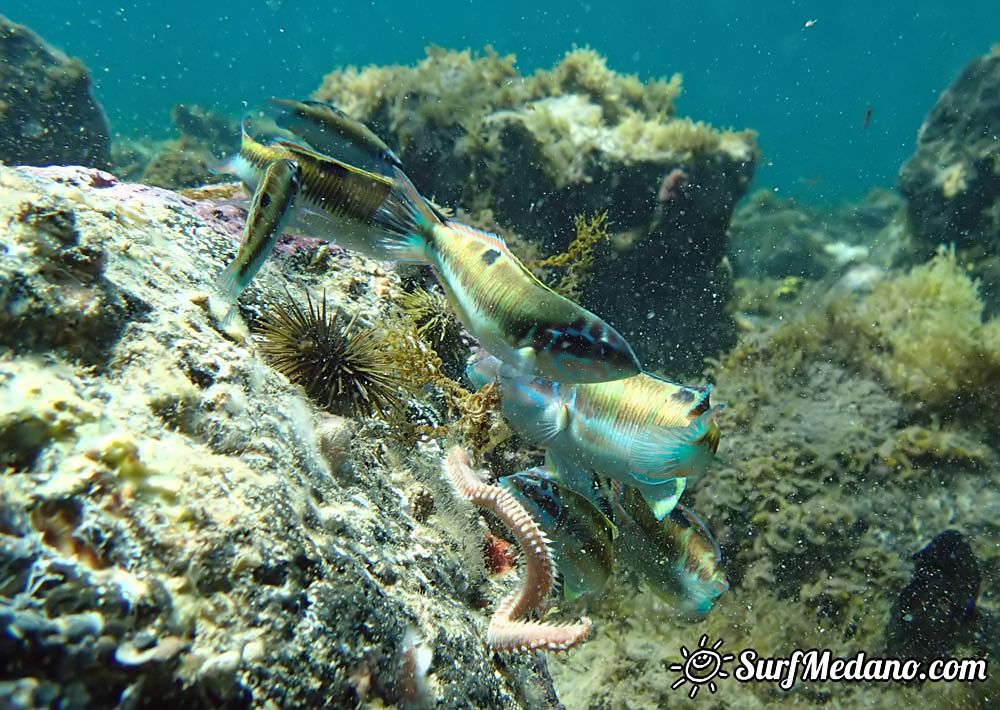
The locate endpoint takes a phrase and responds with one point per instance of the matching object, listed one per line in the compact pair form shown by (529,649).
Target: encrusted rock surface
(178,524)
(48,115)
(952,182)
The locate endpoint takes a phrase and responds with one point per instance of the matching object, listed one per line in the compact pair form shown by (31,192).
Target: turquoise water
(805,89)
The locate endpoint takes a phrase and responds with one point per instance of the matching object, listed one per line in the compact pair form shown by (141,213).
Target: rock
(48,114)
(938,607)
(166,496)
(952,182)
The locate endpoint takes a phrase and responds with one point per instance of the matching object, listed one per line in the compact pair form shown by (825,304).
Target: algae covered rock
(530,153)
(178,523)
(48,114)
(952,182)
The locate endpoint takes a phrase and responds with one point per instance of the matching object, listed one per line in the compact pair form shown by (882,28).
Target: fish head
(587,350)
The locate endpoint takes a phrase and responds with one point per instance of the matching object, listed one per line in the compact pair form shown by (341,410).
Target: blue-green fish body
(582,537)
(331,132)
(677,557)
(643,431)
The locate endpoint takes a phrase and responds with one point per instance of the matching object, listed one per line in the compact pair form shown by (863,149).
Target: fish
(501,303)
(678,557)
(280,187)
(335,201)
(582,537)
(514,316)
(868,117)
(329,131)
(643,431)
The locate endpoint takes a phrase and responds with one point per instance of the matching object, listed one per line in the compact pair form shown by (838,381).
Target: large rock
(178,524)
(952,182)
(48,114)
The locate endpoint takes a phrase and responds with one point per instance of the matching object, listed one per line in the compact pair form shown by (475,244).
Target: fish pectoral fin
(659,452)
(662,497)
(553,423)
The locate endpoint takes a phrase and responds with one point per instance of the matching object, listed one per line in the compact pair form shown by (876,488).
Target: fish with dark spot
(272,204)
(634,430)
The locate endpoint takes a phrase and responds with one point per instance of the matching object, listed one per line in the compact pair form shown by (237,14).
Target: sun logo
(701,667)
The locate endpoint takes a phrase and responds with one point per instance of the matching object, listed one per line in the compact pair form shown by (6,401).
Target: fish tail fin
(661,452)
(406,220)
(662,498)
(482,370)
(235,164)
(700,593)
(228,286)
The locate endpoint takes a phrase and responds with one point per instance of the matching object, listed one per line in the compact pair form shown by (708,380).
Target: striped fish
(677,557)
(280,185)
(643,431)
(330,131)
(514,316)
(332,200)
(582,537)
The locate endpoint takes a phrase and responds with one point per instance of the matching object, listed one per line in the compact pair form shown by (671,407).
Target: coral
(342,368)
(774,238)
(505,633)
(48,114)
(578,259)
(178,522)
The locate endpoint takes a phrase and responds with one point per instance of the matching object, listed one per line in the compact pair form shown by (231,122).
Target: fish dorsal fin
(298,149)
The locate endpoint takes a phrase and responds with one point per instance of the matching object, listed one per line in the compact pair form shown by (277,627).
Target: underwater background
(805,89)
(329,482)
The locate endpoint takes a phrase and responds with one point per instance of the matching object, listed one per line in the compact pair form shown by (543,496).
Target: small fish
(331,132)
(336,201)
(514,316)
(868,117)
(272,204)
(643,430)
(810,24)
(582,536)
(677,557)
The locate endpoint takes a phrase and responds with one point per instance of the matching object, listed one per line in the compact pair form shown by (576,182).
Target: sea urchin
(342,368)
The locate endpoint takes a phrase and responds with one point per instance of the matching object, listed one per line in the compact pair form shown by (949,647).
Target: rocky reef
(177,521)
(530,153)
(844,457)
(48,114)
(952,182)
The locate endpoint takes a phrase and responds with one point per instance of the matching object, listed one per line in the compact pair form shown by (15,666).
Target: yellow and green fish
(330,131)
(514,316)
(643,431)
(677,557)
(582,537)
